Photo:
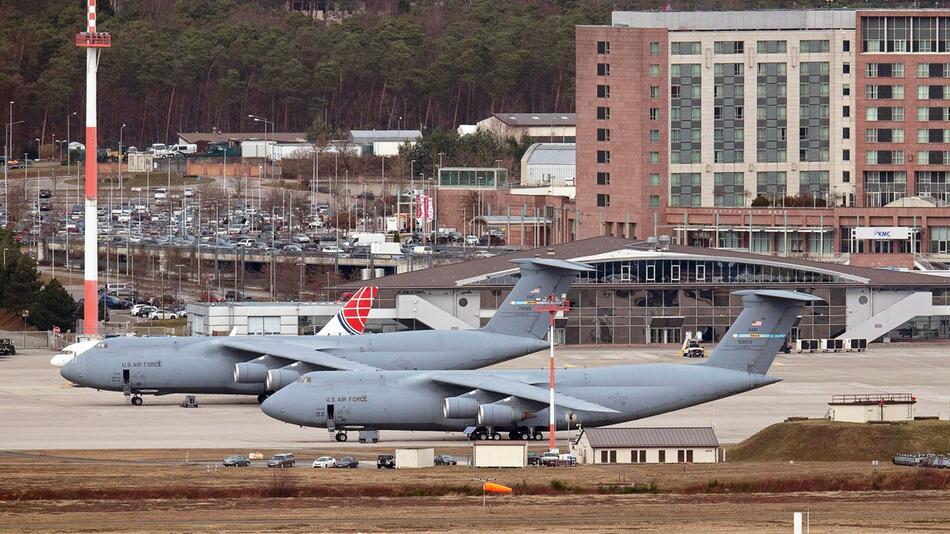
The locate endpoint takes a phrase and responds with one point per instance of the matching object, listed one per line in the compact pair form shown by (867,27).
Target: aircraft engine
(495,415)
(460,408)
(249,373)
(279,378)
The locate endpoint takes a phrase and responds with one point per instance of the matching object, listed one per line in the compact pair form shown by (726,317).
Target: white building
(384,142)
(541,127)
(867,408)
(646,445)
(549,164)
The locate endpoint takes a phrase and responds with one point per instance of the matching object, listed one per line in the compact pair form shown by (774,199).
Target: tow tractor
(6,347)
(691,347)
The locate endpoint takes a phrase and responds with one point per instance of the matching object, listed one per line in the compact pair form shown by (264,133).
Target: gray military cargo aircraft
(486,402)
(251,365)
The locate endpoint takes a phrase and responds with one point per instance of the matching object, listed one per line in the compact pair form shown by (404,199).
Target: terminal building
(640,293)
(774,132)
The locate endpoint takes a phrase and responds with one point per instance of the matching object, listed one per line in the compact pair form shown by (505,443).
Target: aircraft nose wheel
(136,401)
(537,436)
(262,397)
(341,436)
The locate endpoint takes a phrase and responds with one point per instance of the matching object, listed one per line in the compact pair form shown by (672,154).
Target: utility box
(415,458)
(500,454)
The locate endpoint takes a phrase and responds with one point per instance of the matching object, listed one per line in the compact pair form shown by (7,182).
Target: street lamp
(121,190)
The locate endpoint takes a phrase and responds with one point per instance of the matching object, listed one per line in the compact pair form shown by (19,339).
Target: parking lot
(46,413)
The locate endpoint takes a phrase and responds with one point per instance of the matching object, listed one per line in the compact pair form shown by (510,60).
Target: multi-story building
(778,132)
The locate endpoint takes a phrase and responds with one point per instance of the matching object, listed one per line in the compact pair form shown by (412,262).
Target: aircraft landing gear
(520,433)
(495,436)
(136,400)
(341,436)
(537,435)
(262,397)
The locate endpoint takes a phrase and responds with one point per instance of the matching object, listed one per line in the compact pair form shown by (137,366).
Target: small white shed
(500,454)
(415,458)
(873,407)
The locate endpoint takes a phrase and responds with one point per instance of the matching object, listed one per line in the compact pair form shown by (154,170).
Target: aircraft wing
(515,388)
(293,352)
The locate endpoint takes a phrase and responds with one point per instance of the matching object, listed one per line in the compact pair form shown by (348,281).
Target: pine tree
(21,283)
(53,307)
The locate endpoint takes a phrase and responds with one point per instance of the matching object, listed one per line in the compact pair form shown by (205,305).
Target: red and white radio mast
(92,41)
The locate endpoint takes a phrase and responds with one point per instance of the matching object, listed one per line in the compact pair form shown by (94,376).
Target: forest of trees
(185,65)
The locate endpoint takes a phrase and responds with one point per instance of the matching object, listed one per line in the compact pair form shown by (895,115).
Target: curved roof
(550,154)
(606,249)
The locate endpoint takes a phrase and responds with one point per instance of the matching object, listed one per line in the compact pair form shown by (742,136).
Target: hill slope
(821,440)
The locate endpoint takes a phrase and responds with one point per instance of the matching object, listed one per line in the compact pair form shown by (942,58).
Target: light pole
(121,190)
(178,293)
(7,149)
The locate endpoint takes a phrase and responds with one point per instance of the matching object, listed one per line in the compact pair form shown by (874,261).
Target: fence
(30,340)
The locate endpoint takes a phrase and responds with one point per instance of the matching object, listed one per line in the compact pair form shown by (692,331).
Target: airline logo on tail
(351,320)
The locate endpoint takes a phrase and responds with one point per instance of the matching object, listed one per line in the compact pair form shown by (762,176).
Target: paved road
(42,412)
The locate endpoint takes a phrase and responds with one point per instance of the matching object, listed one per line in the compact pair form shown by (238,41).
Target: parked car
(46,193)
(385,460)
(189,192)
(115,303)
(445,459)
(144,310)
(119,290)
(163,314)
(301,238)
(347,462)
(534,458)
(236,461)
(331,250)
(282,460)
(324,462)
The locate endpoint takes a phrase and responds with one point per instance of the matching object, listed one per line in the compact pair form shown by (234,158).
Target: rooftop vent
(664,243)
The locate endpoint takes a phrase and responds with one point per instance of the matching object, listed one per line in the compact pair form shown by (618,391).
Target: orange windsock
(496,488)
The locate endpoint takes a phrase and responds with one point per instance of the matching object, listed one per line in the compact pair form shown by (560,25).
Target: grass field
(178,490)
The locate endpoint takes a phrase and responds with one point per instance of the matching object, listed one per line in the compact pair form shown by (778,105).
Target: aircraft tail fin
(351,319)
(756,336)
(540,277)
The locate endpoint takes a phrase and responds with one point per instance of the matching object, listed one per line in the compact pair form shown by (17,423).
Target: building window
(770,47)
(654,48)
(846,155)
(846,46)
(845,90)
(603,69)
(603,91)
(654,114)
(603,134)
(846,111)
(603,47)
(661,456)
(654,71)
(603,201)
(603,178)
(654,136)
(814,46)
(685,190)
(654,201)
(654,92)
(729,189)
(603,156)
(654,179)
(846,177)
(654,158)
(603,113)
(728,47)
(685,49)
(846,133)
(845,68)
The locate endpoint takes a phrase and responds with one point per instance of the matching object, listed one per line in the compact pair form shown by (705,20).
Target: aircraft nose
(71,370)
(275,407)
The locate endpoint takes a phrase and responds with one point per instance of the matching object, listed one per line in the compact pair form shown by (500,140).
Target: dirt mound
(826,441)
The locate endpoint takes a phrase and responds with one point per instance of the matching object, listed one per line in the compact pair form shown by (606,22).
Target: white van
(161,193)
(119,290)
(186,148)
(419,249)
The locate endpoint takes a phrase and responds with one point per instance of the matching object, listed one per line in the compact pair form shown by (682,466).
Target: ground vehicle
(292,248)
(692,349)
(331,250)
(161,193)
(236,461)
(445,459)
(233,295)
(282,460)
(6,347)
(160,150)
(144,311)
(385,460)
(419,249)
(115,303)
(190,401)
(119,290)
(184,148)
(534,458)
(554,458)
(347,462)
(162,314)
(363,239)
(45,193)
(301,238)
(324,462)
(471,240)
(394,249)
(189,192)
